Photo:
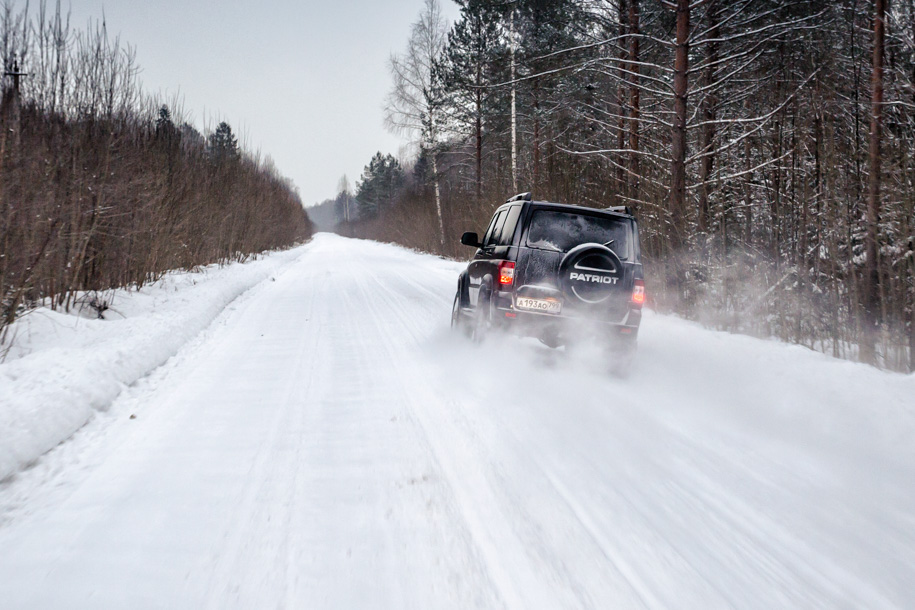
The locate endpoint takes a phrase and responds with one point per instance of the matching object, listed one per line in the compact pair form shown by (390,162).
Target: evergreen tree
(165,128)
(742,140)
(547,30)
(165,118)
(470,65)
(222,144)
(381,181)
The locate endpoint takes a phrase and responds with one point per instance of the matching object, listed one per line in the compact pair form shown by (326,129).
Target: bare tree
(414,104)
(100,188)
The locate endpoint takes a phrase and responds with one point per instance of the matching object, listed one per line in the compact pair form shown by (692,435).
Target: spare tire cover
(591,273)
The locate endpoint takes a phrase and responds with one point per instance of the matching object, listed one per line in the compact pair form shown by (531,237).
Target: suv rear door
(543,249)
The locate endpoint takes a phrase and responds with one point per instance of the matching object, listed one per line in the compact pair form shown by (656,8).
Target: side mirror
(470,239)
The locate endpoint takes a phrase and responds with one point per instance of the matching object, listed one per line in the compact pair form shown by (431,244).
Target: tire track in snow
(528,555)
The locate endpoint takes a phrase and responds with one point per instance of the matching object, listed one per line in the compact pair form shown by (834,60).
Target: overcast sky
(302,80)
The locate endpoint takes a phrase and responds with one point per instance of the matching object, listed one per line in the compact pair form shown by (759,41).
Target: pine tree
(381,181)
(469,68)
(222,144)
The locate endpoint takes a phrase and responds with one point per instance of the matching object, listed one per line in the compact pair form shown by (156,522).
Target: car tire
(623,361)
(459,322)
(482,319)
(551,340)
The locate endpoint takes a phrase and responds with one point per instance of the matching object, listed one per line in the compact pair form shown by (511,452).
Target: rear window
(562,231)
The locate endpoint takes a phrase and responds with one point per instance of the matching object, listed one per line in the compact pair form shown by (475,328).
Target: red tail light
(638,293)
(506,273)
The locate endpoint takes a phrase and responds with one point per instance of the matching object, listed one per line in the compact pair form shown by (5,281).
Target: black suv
(553,271)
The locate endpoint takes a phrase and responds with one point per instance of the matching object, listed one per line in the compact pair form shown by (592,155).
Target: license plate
(541,305)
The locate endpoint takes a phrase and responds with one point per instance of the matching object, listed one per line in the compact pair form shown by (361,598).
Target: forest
(104,186)
(766,147)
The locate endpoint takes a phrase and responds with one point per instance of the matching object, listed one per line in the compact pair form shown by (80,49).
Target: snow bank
(62,368)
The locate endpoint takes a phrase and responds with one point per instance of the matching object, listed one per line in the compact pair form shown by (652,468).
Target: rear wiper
(609,242)
(546,247)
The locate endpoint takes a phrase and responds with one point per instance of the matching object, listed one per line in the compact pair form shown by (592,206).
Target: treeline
(765,145)
(103,187)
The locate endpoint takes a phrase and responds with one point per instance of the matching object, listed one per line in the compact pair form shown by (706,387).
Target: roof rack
(519,197)
(622,209)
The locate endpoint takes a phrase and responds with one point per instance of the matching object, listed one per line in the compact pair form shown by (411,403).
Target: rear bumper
(565,326)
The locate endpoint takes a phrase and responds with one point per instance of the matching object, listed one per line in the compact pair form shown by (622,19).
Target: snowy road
(328,444)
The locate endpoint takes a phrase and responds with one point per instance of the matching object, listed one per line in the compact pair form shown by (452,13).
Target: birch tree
(414,105)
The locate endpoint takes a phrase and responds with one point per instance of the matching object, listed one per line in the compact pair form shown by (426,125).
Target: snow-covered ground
(59,369)
(327,443)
